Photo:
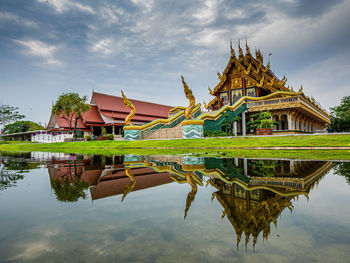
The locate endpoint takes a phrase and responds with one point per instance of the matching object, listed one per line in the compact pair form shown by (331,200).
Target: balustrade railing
(284,102)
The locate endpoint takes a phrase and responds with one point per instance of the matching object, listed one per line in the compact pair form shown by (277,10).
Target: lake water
(75,208)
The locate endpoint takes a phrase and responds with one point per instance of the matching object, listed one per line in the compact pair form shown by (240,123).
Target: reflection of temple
(253,193)
(105,175)
(251,207)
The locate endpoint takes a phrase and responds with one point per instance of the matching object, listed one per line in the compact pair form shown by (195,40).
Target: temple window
(224,98)
(236,94)
(251,92)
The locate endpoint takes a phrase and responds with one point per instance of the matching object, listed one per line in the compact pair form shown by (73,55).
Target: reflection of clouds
(33,249)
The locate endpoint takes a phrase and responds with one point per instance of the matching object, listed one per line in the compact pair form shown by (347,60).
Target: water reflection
(252,193)
(13,167)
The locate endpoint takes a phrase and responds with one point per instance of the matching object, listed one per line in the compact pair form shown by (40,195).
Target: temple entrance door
(97,130)
(284,122)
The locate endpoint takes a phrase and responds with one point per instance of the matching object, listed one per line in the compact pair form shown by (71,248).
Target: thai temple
(109,111)
(246,86)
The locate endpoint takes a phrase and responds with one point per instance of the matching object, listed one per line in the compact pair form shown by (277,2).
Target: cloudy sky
(48,47)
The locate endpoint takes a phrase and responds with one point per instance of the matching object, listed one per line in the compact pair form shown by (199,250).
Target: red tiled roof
(115,104)
(92,116)
(62,123)
(122,116)
(143,181)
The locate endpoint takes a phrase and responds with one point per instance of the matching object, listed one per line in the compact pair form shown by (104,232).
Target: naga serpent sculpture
(128,104)
(192,194)
(128,188)
(189,96)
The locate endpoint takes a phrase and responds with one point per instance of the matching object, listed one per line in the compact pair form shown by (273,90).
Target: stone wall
(168,133)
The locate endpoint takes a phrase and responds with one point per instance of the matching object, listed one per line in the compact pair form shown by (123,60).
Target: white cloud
(208,13)
(111,14)
(6,17)
(103,46)
(64,5)
(40,49)
(145,5)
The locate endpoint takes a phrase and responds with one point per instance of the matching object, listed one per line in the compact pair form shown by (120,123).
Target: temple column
(289,119)
(244,126)
(245,166)
(113,129)
(235,128)
(236,162)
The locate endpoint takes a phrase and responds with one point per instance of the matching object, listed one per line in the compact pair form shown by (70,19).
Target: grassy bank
(187,147)
(270,141)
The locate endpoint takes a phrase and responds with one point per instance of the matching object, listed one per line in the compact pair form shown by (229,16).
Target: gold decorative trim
(192,122)
(164,121)
(243,99)
(192,167)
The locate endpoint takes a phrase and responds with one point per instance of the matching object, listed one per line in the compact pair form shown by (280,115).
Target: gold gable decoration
(236,83)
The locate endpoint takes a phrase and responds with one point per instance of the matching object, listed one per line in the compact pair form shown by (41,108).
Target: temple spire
(246,47)
(232,50)
(241,56)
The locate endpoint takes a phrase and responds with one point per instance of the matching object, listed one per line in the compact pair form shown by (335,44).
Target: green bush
(103,131)
(110,137)
(261,120)
(214,133)
(88,137)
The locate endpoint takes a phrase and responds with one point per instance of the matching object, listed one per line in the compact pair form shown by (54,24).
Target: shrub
(110,137)
(88,137)
(214,133)
(261,120)
(103,131)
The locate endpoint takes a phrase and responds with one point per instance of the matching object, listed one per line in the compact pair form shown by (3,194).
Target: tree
(9,114)
(70,107)
(227,123)
(22,126)
(340,119)
(261,120)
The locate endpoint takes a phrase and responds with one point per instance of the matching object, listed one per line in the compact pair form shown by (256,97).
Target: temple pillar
(113,129)
(289,119)
(236,162)
(245,166)
(235,128)
(244,126)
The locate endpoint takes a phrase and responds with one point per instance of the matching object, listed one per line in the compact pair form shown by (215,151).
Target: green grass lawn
(270,141)
(202,147)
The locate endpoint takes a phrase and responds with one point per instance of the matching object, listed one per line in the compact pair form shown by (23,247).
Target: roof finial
(232,50)
(241,56)
(246,46)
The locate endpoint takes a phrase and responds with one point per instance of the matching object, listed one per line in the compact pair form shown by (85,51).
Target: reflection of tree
(69,191)
(343,169)
(12,172)
(69,188)
(264,168)
(9,178)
